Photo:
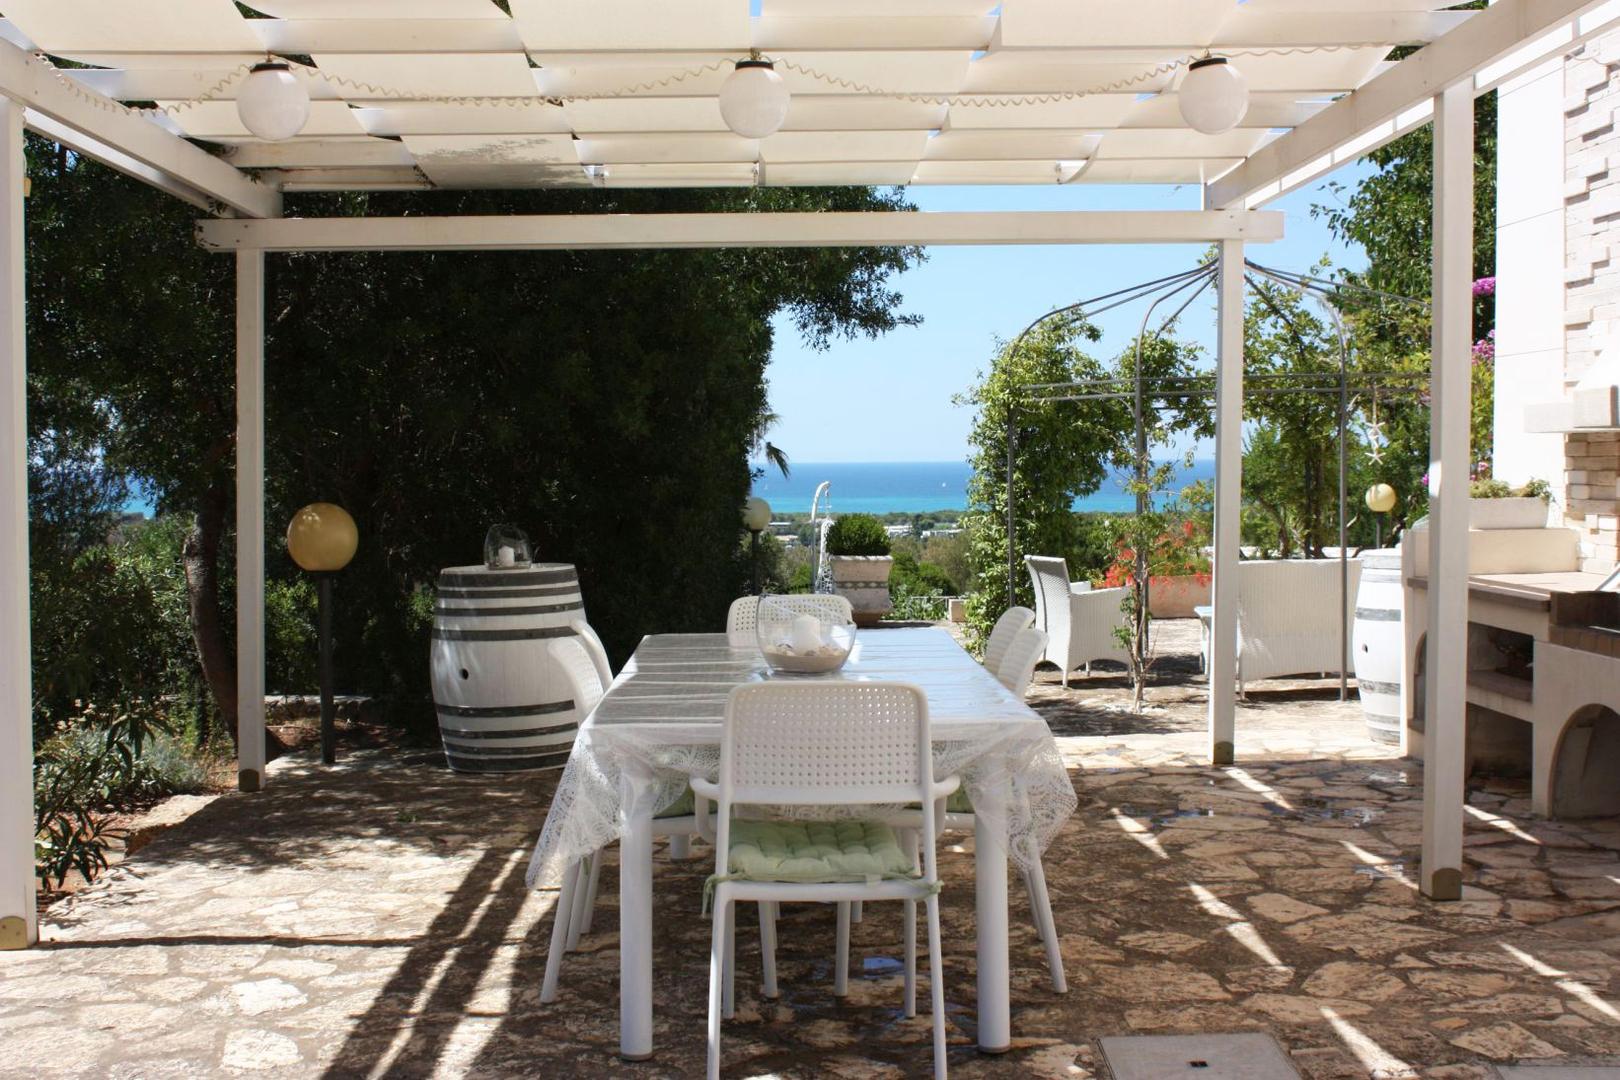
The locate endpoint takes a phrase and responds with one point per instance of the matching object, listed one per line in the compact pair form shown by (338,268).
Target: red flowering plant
(1177,551)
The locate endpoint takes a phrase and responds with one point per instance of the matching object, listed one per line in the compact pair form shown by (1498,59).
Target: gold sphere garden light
(322,539)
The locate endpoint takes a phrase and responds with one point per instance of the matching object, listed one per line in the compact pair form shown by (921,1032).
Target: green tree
(1390,216)
(606,401)
(1291,453)
(1064,449)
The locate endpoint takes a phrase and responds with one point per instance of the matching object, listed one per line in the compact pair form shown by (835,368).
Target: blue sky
(889,399)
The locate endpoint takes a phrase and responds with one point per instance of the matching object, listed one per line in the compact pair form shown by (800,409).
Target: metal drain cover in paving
(1249,1056)
(1559,1072)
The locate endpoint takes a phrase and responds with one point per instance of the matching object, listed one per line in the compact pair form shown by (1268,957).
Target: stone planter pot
(1517,513)
(863,580)
(1175,597)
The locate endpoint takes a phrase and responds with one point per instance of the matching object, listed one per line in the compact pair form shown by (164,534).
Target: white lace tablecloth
(661,722)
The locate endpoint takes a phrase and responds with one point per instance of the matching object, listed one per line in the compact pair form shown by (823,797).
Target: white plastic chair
(822,744)
(1017,667)
(593,648)
(576,900)
(742,618)
(1079,620)
(1012,620)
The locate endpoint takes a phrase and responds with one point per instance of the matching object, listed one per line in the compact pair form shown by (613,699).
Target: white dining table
(660,723)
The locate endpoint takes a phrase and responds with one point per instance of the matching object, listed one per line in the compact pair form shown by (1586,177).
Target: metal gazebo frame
(1142,389)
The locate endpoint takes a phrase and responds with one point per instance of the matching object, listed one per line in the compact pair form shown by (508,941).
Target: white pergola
(621,93)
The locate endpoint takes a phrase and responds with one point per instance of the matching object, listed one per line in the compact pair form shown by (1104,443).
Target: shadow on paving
(446,964)
(1279,895)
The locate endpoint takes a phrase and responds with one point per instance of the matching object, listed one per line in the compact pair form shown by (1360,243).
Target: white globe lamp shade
(1380,498)
(1214,96)
(754,99)
(756,514)
(272,103)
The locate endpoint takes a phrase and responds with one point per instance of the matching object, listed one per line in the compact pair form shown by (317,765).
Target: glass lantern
(798,636)
(506,547)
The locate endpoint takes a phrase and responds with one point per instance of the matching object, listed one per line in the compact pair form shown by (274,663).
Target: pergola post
(19,922)
(1445,694)
(250,520)
(1228,505)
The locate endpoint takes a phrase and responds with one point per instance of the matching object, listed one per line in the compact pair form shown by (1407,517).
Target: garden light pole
(756,518)
(322,539)
(1380,500)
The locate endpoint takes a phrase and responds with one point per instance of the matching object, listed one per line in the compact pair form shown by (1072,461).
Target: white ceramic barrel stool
(503,704)
(1377,642)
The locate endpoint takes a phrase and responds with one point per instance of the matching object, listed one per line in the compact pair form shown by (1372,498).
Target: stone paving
(371,920)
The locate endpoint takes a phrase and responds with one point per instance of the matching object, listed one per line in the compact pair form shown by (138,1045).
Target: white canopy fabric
(621,93)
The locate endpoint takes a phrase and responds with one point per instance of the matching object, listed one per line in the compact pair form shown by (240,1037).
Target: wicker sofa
(1288,615)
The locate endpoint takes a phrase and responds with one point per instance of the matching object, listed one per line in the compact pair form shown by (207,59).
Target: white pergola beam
(625,231)
(37,86)
(1445,763)
(340,179)
(1078,27)
(19,925)
(250,520)
(359,36)
(362,152)
(794,33)
(850,33)
(80,143)
(1228,506)
(1527,31)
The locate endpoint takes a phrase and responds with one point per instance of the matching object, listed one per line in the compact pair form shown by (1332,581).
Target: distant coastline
(912,487)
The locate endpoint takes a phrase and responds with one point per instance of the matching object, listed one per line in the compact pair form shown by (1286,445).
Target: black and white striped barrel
(503,705)
(1377,643)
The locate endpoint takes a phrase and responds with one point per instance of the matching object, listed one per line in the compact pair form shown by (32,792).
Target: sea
(915,487)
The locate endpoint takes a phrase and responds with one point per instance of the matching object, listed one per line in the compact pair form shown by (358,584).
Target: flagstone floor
(371,920)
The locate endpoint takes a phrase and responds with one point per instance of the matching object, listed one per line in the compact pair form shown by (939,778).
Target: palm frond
(777,456)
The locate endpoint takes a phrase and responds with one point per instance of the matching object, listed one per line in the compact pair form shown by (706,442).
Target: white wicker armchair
(1079,621)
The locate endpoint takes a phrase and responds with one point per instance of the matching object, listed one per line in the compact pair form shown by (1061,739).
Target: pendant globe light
(1214,96)
(272,103)
(754,99)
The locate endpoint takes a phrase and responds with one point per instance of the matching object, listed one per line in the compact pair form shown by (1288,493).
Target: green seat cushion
(957,802)
(816,851)
(681,807)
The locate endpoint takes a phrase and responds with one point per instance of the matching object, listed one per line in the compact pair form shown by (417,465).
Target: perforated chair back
(593,648)
(584,684)
(826,743)
(743,617)
(1018,666)
(1007,627)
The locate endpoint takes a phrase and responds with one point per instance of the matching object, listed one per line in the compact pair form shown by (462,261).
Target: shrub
(857,534)
(95,763)
(1487,487)
(918,578)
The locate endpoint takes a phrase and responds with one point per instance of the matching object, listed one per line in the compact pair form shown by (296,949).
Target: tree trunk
(201,557)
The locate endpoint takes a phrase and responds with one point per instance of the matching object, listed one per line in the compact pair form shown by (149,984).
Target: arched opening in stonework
(1586,766)
(1419,669)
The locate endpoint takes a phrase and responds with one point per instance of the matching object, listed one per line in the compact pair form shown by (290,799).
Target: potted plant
(1494,504)
(858,547)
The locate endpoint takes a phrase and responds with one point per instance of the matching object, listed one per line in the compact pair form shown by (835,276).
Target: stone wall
(1591,496)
